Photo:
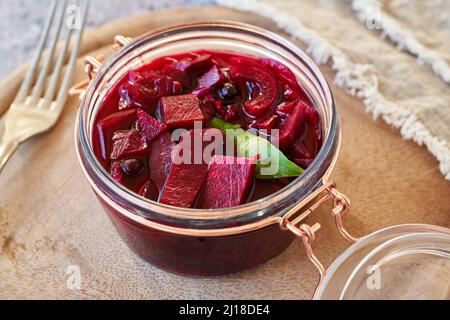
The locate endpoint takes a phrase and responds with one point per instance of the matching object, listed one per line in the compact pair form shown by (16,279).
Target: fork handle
(7,148)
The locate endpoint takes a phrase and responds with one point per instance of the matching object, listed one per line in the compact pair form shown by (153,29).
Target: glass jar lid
(404,262)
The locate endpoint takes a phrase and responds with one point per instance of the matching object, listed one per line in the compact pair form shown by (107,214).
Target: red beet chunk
(210,78)
(190,164)
(301,155)
(116,121)
(144,89)
(149,190)
(293,125)
(313,135)
(181,77)
(183,185)
(228,182)
(194,64)
(181,111)
(116,171)
(202,92)
(274,67)
(202,144)
(263,91)
(149,126)
(267,124)
(128,144)
(304,148)
(160,159)
(283,72)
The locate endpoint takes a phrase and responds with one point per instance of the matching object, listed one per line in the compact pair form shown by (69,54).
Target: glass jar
(211,242)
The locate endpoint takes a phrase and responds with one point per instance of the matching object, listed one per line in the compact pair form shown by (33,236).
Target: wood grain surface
(50,219)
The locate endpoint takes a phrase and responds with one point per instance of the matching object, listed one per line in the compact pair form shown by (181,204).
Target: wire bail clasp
(308,234)
(93,64)
(291,221)
(121,41)
(341,205)
(91,67)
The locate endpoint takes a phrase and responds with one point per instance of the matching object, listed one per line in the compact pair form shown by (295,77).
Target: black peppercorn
(132,167)
(228,91)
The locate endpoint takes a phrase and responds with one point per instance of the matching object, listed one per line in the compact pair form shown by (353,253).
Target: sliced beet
(144,89)
(267,123)
(210,78)
(282,71)
(190,165)
(313,134)
(183,185)
(128,143)
(228,182)
(208,106)
(277,69)
(149,126)
(304,148)
(116,171)
(232,112)
(285,108)
(201,92)
(194,64)
(292,126)
(149,190)
(263,91)
(137,92)
(301,155)
(291,95)
(181,77)
(201,146)
(160,159)
(177,88)
(299,151)
(116,121)
(181,111)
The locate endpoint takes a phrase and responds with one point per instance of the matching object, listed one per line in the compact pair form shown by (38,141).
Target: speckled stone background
(21,22)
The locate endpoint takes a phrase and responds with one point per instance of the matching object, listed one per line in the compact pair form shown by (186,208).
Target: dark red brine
(136,121)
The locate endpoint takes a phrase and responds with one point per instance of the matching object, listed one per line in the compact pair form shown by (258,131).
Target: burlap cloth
(51,221)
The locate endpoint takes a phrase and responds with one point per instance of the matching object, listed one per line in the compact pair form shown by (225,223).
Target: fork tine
(41,81)
(29,77)
(64,89)
(50,92)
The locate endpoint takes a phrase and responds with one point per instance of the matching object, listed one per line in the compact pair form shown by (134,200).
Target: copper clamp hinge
(93,64)
(291,221)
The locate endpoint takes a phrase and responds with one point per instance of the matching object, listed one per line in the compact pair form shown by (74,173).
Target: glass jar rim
(202,218)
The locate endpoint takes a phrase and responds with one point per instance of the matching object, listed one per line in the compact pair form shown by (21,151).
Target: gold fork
(33,110)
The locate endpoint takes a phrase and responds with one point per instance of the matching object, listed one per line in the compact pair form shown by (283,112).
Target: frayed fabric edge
(357,79)
(372,12)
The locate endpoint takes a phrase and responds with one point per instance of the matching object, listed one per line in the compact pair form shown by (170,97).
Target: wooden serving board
(50,220)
